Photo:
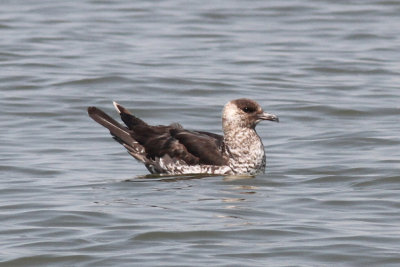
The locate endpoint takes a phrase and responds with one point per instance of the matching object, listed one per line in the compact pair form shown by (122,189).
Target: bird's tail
(119,132)
(116,129)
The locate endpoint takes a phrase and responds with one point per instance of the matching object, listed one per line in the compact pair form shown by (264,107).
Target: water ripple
(70,195)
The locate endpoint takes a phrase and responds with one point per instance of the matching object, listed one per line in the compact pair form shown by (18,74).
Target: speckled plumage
(173,150)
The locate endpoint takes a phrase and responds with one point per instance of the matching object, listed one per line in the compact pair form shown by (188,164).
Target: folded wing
(150,143)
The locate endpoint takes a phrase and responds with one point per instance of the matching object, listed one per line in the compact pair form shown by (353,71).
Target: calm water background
(71,196)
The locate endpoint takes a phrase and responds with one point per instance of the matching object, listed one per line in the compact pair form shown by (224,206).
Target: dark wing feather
(219,139)
(128,118)
(207,147)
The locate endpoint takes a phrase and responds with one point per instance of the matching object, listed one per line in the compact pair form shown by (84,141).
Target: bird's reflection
(176,178)
(168,178)
(234,193)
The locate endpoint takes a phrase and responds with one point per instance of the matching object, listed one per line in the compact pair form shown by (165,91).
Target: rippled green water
(71,196)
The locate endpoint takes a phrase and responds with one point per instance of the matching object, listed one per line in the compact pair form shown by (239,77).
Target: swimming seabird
(174,150)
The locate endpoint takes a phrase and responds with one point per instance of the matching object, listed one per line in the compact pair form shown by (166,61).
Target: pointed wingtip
(117,107)
(120,109)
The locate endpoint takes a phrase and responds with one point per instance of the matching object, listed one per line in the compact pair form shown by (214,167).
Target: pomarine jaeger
(174,150)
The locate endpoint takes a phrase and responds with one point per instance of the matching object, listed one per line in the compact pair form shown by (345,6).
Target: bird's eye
(248,109)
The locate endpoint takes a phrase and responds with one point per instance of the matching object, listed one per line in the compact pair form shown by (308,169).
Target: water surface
(71,196)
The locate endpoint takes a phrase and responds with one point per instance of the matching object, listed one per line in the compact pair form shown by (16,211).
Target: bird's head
(244,113)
